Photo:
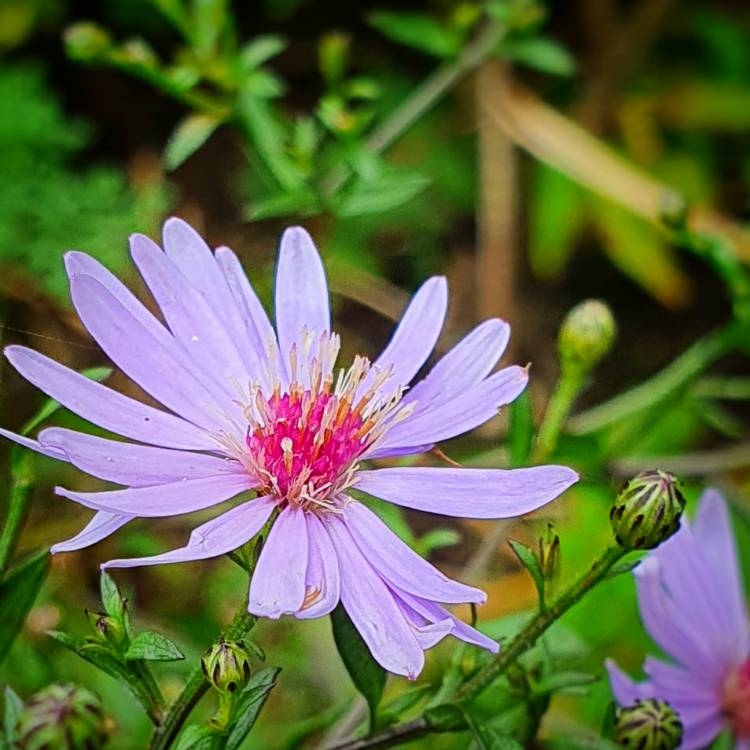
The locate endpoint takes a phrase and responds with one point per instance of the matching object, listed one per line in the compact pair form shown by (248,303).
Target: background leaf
(18,590)
(367,675)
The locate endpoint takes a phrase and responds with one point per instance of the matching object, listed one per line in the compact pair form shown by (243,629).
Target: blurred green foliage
(338,117)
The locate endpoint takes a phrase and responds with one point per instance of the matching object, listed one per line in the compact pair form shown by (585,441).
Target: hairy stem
(539,624)
(423,725)
(195,688)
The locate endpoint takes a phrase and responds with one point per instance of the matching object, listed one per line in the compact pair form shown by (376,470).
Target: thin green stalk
(153,691)
(539,624)
(665,383)
(18,500)
(434,88)
(566,390)
(195,688)
(536,627)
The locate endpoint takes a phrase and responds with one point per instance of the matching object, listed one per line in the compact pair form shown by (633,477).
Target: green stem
(18,500)
(430,724)
(152,690)
(539,624)
(434,88)
(195,688)
(661,386)
(566,390)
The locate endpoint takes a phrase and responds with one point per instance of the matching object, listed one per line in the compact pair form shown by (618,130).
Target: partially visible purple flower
(248,407)
(693,605)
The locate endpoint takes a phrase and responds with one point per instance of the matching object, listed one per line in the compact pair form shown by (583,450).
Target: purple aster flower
(692,603)
(251,408)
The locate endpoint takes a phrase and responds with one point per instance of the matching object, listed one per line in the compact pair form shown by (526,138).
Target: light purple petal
(414,338)
(712,529)
(461,414)
(152,363)
(690,583)
(468,493)
(105,407)
(301,293)
(373,610)
(100,526)
(192,321)
(80,264)
(672,631)
(427,633)
(625,690)
(133,465)
(682,687)
(166,499)
(278,584)
(436,613)
(257,326)
(398,452)
(397,563)
(699,734)
(26,442)
(465,365)
(222,534)
(742,744)
(322,579)
(194,258)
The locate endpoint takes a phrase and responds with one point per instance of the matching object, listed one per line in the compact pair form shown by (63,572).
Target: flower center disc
(303,443)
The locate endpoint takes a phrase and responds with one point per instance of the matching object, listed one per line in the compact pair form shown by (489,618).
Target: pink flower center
(303,443)
(736,699)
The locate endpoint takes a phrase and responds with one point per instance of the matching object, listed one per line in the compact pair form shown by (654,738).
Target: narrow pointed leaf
(367,675)
(249,704)
(153,647)
(18,590)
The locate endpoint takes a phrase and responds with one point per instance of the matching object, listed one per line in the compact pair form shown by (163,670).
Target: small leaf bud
(64,717)
(226,665)
(586,335)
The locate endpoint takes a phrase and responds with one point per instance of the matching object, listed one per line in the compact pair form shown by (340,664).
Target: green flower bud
(549,553)
(86,41)
(647,510)
(227,665)
(648,725)
(63,717)
(109,629)
(586,335)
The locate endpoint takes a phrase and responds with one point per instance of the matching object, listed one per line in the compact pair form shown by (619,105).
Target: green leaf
(112,601)
(489,738)
(436,539)
(391,189)
(562,681)
(284,204)
(153,647)
(367,675)
(102,657)
(18,590)
(259,50)
(543,54)
(531,563)
(13,708)
(418,31)
(196,737)
(624,566)
(557,215)
(520,430)
(192,132)
(249,704)
(395,710)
